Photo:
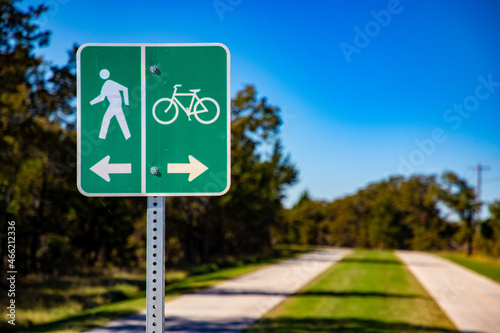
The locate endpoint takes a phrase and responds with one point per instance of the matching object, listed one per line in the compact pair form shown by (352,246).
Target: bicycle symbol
(206,110)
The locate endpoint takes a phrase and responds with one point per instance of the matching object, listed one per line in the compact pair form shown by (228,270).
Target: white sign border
(143,120)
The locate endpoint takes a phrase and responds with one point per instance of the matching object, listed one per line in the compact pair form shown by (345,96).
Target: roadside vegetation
(482,264)
(398,213)
(74,255)
(73,304)
(61,232)
(366,292)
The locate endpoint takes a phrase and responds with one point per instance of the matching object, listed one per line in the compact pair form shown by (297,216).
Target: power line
(491,180)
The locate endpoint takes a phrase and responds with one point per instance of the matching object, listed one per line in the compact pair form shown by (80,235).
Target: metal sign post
(153,120)
(155,261)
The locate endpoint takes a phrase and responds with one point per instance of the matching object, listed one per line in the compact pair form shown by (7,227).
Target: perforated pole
(155,261)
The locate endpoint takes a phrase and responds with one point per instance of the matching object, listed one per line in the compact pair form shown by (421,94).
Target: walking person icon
(111,90)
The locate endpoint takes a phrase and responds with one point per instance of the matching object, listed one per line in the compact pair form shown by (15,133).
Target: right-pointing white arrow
(194,168)
(103,168)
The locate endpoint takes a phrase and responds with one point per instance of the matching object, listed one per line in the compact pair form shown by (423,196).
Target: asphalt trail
(237,303)
(470,300)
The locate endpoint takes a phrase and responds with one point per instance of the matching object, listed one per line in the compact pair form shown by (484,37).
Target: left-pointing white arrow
(103,168)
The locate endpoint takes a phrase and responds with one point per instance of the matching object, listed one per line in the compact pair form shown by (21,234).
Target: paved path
(470,300)
(235,304)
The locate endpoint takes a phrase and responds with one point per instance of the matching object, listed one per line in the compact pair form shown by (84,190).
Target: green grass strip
(103,314)
(486,266)
(77,321)
(367,292)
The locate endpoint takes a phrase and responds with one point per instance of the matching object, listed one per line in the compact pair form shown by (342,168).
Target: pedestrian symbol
(111,90)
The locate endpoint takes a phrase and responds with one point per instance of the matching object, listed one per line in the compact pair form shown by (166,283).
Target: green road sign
(153,119)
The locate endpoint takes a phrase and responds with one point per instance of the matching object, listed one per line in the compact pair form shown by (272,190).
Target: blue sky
(367,89)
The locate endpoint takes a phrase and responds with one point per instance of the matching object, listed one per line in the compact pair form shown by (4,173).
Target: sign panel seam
(143,119)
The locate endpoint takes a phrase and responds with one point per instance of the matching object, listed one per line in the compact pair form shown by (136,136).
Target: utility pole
(479,169)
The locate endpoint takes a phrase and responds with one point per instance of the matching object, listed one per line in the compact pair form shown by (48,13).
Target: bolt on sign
(153,119)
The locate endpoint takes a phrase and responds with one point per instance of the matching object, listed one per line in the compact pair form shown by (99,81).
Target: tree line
(416,213)
(59,231)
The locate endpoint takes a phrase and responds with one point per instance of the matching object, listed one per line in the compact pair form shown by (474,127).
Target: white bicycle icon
(206,106)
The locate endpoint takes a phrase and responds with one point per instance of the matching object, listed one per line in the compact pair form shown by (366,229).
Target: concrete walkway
(235,304)
(470,300)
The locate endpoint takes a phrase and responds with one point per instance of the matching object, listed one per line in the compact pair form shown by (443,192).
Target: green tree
(24,108)
(490,230)
(260,173)
(305,223)
(55,223)
(241,221)
(421,215)
(346,222)
(384,218)
(395,213)
(460,197)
